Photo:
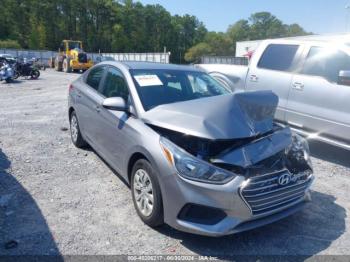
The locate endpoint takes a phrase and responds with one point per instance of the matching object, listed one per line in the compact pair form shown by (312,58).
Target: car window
(115,85)
(326,62)
(204,85)
(94,77)
(278,57)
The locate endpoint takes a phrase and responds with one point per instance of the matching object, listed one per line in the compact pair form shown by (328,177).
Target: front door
(113,127)
(274,72)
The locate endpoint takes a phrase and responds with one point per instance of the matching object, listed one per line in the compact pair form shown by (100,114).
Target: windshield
(74,45)
(159,87)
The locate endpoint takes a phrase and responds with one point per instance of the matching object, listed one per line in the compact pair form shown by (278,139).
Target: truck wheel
(66,65)
(58,64)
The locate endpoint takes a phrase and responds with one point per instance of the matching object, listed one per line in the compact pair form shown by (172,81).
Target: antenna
(347,8)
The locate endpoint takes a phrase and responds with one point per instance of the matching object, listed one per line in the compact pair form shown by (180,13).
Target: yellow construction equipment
(71,57)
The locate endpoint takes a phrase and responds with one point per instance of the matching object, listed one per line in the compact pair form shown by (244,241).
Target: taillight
(70,88)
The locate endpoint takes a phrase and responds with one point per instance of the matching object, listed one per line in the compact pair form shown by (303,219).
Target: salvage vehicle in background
(101,59)
(71,57)
(26,69)
(311,78)
(197,157)
(9,58)
(6,71)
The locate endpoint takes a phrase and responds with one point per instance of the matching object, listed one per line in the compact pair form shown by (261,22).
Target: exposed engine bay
(251,156)
(234,132)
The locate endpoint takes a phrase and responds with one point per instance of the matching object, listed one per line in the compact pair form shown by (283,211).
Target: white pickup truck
(311,78)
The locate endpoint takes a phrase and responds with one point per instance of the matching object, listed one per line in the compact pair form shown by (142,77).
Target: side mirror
(115,103)
(344,78)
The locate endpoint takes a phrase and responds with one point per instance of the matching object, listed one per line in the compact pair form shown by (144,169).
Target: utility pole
(347,8)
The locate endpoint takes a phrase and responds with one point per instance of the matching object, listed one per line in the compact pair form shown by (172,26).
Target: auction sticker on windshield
(148,80)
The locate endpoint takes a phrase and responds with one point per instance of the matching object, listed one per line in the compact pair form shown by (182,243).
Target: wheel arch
(132,160)
(70,111)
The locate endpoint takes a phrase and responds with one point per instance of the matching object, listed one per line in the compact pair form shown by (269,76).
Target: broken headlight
(190,167)
(299,150)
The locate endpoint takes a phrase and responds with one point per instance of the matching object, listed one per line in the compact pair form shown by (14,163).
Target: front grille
(82,58)
(263,193)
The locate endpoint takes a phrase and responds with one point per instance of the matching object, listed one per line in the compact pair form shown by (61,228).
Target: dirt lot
(56,199)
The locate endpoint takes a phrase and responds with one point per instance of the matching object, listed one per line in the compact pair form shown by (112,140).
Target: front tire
(66,66)
(146,193)
(75,132)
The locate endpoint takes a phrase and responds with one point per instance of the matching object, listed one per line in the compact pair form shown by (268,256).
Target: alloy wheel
(143,192)
(74,129)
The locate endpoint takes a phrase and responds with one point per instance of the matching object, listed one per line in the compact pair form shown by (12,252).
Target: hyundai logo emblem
(284,179)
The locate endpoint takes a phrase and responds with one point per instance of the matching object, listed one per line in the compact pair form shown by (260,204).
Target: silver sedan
(197,157)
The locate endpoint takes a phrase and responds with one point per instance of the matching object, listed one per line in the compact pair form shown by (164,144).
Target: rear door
(272,70)
(316,102)
(89,103)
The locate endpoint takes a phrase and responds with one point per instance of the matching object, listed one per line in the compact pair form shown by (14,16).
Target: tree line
(261,25)
(126,26)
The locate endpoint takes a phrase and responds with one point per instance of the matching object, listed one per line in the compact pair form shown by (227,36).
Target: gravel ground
(56,199)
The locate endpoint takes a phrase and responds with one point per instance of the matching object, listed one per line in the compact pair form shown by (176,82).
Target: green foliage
(127,26)
(239,31)
(102,25)
(262,25)
(220,43)
(9,44)
(295,30)
(196,52)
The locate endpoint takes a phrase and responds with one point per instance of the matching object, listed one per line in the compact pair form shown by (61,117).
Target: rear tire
(58,65)
(75,132)
(34,74)
(146,193)
(66,66)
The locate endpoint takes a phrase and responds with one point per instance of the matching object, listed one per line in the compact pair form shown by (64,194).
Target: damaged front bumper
(273,175)
(218,210)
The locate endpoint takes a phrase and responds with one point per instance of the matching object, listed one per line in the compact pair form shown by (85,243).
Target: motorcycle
(26,70)
(6,72)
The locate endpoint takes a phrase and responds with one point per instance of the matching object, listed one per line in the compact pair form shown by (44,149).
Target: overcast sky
(318,16)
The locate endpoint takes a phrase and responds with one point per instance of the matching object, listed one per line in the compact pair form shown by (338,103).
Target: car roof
(152,65)
(331,38)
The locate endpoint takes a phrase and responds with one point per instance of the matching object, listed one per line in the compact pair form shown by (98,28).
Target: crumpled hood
(233,116)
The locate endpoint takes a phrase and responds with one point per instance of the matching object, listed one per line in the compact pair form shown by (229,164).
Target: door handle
(254,78)
(298,86)
(98,109)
